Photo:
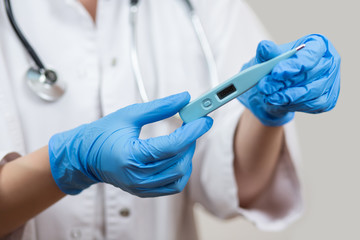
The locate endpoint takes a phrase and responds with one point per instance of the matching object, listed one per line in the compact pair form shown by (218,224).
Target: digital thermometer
(232,88)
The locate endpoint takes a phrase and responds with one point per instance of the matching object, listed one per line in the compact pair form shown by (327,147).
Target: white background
(330,142)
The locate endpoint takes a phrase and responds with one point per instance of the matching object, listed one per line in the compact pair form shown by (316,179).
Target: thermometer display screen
(226,92)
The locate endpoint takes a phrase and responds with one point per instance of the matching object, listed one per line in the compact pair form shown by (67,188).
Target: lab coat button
(114,62)
(75,234)
(124,212)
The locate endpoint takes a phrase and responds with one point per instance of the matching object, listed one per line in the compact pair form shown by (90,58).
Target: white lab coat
(94,62)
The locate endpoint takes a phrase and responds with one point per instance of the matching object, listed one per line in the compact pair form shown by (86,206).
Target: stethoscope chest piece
(45,84)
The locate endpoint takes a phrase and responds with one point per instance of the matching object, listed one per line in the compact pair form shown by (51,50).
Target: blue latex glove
(307,82)
(109,150)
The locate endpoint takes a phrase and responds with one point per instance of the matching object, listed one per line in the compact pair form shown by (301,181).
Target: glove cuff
(276,121)
(66,168)
(256,104)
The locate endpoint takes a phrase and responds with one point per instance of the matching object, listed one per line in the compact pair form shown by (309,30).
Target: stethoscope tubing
(134,54)
(21,37)
(199,32)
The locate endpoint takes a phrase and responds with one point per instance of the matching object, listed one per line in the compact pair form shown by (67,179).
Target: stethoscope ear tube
(22,38)
(200,34)
(134,55)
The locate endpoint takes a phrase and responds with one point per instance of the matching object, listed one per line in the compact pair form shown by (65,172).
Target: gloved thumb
(267,50)
(159,109)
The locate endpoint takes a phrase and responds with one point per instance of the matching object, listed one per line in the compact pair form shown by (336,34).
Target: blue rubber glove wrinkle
(307,82)
(109,150)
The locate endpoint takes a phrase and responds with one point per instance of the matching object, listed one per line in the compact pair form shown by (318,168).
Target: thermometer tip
(300,47)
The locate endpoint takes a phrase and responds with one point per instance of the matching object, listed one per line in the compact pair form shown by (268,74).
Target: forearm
(26,188)
(257,149)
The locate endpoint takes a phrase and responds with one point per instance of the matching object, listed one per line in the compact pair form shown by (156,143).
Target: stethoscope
(45,83)
(41,80)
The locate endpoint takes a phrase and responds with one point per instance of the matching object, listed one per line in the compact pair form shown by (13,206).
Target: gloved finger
(295,95)
(323,103)
(172,188)
(268,85)
(303,60)
(144,113)
(180,166)
(155,167)
(306,92)
(163,147)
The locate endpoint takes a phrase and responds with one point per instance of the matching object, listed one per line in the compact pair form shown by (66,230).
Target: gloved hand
(109,150)
(307,82)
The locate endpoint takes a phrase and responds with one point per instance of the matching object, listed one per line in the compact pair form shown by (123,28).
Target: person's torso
(94,62)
